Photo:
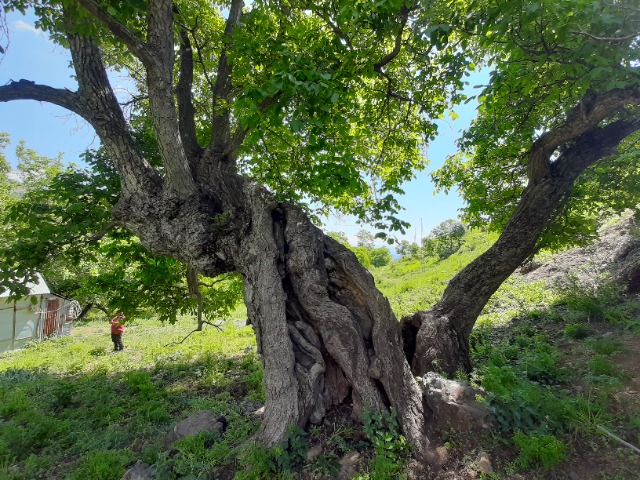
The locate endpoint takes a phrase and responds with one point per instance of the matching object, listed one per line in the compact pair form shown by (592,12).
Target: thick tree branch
(105,115)
(221,121)
(582,118)
(591,147)
(186,110)
(157,56)
(137,46)
(27,90)
(384,61)
(160,24)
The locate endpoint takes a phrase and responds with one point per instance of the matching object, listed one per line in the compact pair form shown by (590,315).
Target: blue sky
(49,129)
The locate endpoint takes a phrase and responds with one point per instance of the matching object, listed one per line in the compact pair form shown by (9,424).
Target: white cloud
(22,26)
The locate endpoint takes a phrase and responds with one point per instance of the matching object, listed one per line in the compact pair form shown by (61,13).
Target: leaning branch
(582,118)
(186,110)
(137,47)
(199,329)
(593,146)
(27,90)
(384,61)
(221,128)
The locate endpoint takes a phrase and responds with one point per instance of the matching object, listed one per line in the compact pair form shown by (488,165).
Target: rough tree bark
(438,338)
(325,334)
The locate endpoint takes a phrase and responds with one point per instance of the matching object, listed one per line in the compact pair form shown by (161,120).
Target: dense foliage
(545,57)
(81,253)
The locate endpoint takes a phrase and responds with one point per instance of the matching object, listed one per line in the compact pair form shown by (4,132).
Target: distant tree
(429,246)
(445,239)
(380,256)
(407,249)
(339,237)
(365,238)
(36,171)
(6,184)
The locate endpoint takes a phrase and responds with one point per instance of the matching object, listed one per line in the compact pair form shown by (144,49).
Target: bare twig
(194,290)
(606,39)
(100,235)
(198,329)
(217,280)
(618,439)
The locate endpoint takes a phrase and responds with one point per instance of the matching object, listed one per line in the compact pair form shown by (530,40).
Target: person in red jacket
(117,329)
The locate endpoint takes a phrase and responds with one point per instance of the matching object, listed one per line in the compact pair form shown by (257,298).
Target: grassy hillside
(559,363)
(415,283)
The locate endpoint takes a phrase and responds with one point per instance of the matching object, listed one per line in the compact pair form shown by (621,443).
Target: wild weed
(391,448)
(103,465)
(545,451)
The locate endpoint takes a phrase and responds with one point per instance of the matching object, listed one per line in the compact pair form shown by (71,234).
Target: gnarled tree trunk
(325,334)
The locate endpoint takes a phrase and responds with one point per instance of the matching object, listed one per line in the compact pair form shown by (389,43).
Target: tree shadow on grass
(94,424)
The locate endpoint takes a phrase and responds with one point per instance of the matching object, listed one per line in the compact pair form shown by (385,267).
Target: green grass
(71,408)
(412,284)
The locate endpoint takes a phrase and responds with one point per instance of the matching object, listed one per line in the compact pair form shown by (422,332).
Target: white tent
(37,316)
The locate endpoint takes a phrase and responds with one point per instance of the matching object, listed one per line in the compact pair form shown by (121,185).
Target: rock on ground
(454,403)
(202,421)
(139,471)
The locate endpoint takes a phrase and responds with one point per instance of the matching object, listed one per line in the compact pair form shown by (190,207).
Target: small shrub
(259,463)
(601,365)
(262,463)
(293,451)
(511,399)
(391,448)
(605,347)
(140,384)
(577,331)
(545,451)
(326,465)
(191,460)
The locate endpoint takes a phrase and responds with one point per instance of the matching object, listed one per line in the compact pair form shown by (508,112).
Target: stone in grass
(348,465)
(140,471)
(454,403)
(199,422)
(484,463)
(313,452)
